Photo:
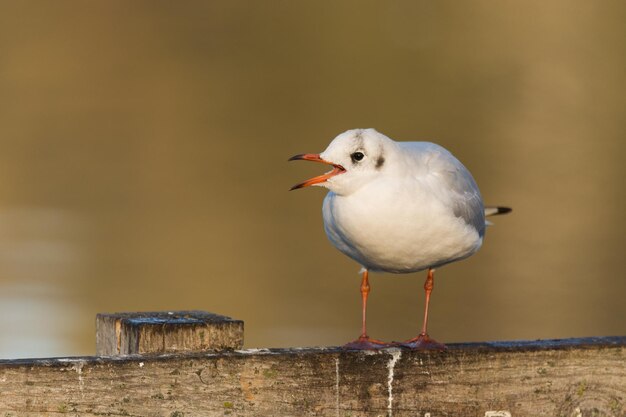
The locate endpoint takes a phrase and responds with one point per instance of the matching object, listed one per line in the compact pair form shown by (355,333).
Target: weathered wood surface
(166,332)
(573,378)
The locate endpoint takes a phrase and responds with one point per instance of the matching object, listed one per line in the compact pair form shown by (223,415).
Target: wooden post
(569,378)
(166,332)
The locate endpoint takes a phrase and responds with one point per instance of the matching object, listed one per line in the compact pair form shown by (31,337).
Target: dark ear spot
(379,162)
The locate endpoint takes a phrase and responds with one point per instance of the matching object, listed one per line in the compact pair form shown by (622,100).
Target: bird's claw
(365,343)
(422,342)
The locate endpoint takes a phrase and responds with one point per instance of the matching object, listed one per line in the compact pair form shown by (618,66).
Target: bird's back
(450,181)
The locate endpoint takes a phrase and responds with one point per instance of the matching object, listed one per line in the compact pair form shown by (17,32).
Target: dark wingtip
(296,157)
(496,211)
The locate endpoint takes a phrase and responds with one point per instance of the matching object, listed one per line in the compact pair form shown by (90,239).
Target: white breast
(397,226)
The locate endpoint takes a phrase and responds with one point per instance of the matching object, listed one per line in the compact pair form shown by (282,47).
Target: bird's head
(357,156)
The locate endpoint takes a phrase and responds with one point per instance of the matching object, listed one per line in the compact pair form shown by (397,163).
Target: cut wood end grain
(166,332)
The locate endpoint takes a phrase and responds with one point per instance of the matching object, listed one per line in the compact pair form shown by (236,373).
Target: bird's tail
(494,211)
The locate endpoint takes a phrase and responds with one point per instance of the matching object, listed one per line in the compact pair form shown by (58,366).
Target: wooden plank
(166,332)
(573,378)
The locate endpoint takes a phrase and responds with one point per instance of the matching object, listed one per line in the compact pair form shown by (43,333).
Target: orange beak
(337,169)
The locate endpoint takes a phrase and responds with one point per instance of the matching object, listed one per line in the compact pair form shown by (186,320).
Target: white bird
(398,207)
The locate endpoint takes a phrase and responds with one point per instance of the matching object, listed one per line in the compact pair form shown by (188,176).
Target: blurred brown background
(143,150)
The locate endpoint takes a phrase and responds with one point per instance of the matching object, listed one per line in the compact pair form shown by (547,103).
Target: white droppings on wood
(141,364)
(423,370)
(395,356)
(337,385)
(58,360)
(78,367)
(254,351)
(504,413)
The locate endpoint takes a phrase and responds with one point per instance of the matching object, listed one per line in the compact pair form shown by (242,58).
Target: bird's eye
(357,156)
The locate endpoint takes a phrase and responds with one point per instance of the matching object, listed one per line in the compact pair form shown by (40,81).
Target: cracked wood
(545,378)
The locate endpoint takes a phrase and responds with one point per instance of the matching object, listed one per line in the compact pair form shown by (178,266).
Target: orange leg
(364,341)
(423,341)
(365,291)
(428,288)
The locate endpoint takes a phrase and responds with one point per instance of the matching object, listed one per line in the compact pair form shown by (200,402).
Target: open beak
(337,169)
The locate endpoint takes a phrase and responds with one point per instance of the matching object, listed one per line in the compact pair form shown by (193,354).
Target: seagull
(398,207)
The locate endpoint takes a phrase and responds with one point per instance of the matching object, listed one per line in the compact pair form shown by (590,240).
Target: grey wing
(459,190)
(468,204)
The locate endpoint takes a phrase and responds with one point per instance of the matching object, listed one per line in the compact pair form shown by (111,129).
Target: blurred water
(40,255)
(143,150)
(37,322)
